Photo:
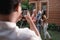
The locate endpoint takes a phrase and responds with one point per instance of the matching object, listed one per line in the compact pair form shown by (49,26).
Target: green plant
(26,5)
(52,26)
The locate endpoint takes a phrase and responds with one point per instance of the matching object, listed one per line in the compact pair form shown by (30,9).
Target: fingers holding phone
(27,17)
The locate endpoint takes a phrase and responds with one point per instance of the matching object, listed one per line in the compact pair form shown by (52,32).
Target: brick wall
(54,11)
(32,0)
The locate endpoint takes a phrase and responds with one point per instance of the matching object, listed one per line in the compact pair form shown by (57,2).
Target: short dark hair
(44,12)
(7,6)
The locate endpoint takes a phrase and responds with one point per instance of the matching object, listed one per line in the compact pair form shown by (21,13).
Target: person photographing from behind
(10,14)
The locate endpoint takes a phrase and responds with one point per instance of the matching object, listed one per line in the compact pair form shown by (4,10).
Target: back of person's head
(35,11)
(43,13)
(8,6)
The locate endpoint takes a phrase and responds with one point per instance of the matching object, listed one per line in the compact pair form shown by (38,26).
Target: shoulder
(26,33)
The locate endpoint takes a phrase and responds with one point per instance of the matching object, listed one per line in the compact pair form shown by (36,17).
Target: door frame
(47,6)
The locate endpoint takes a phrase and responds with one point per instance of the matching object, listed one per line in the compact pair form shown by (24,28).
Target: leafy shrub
(52,26)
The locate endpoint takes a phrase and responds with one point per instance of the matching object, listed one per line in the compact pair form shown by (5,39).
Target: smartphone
(24,13)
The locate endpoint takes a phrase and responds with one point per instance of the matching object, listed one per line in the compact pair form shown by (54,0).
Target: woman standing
(45,26)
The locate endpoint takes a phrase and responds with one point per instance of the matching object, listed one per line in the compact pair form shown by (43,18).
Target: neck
(3,18)
(6,18)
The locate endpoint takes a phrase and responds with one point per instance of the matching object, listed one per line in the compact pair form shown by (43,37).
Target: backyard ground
(55,35)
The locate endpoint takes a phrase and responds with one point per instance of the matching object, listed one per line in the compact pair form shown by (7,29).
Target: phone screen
(24,12)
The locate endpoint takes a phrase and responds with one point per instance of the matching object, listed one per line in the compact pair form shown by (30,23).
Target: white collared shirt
(9,31)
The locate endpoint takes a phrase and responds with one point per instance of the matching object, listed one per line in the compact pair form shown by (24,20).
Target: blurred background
(52,8)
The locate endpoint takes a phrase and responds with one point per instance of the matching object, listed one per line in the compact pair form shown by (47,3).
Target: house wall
(54,11)
(32,0)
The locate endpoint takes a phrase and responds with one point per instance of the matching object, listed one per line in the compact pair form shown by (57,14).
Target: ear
(16,9)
